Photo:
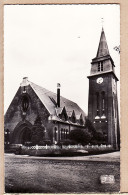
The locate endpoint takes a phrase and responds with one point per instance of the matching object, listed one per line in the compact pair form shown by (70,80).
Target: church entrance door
(25,136)
(22,134)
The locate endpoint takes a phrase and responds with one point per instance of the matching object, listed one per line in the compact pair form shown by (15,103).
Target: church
(34,107)
(38,109)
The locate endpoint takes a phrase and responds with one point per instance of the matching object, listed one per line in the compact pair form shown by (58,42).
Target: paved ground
(25,174)
(109,157)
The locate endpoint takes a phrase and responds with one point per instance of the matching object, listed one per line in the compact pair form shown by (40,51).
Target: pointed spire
(103,47)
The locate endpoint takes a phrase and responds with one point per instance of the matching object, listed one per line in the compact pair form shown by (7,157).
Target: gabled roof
(48,98)
(103,47)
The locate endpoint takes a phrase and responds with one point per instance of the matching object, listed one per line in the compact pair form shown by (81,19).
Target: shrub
(89,126)
(99,149)
(99,138)
(28,143)
(81,136)
(45,142)
(67,142)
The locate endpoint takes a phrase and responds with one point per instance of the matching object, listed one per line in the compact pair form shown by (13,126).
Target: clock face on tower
(99,80)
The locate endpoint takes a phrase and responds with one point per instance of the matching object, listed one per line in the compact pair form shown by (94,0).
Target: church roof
(48,98)
(103,47)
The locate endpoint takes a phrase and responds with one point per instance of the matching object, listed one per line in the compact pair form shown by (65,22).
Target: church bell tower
(103,102)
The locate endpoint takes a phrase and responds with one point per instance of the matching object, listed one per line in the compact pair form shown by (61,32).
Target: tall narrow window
(66,134)
(97,101)
(100,66)
(61,134)
(114,105)
(55,134)
(103,102)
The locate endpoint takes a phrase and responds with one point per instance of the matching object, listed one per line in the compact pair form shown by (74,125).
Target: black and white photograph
(62,98)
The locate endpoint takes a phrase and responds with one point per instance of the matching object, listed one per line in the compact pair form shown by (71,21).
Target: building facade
(103,101)
(36,111)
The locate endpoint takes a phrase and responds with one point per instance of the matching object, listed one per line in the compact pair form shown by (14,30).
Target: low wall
(70,150)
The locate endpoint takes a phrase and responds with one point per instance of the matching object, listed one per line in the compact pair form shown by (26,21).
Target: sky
(53,44)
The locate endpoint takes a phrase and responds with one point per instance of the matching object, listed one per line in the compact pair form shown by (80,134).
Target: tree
(89,126)
(37,131)
(81,136)
(97,137)
(37,134)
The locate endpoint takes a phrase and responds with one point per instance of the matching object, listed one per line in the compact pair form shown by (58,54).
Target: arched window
(25,103)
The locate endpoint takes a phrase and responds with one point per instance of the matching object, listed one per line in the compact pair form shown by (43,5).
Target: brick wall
(15,115)
(108,124)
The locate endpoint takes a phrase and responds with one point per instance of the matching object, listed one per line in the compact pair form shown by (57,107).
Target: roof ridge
(52,92)
(41,87)
(38,96)
(45,96)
